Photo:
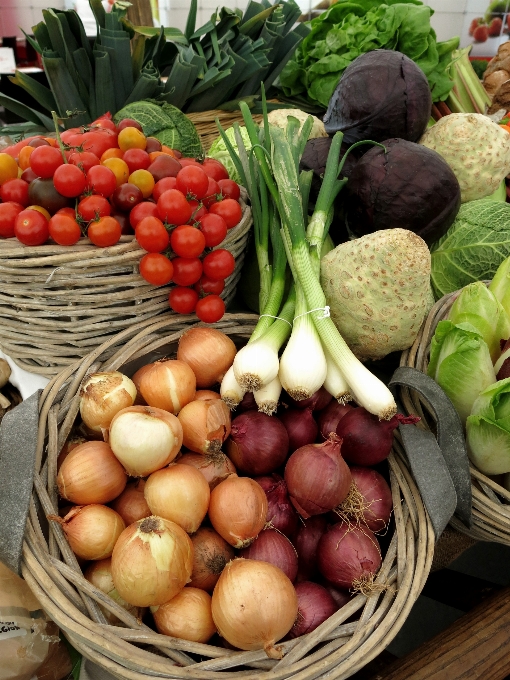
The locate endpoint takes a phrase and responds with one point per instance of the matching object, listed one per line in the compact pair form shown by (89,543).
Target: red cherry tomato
(213,191)
(206,286)
(136,159)
(173,207)
(69,180)
(229,189)
(189,161)
(210,309)
(84,160)
(229,209)
(163,185)
(214,228)
(215,169)
(93,207)
(44,160)
(64,230)
(199,210)
(186,271)
(70,212)
(8,213)
(126,196)
(97,140)
(152,235)
(192,181)
(123,219)
(219,264)
(129,122)
(104,123)
(31,227)
(105,232)
(15,191)
(102,180)
(187,241)
(156,269)
(183,300)
(144,209)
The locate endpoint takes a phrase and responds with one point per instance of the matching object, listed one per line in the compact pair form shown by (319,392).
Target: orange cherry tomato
(131,138)
(144,181)
(24,157)
(119,168)
(112,153)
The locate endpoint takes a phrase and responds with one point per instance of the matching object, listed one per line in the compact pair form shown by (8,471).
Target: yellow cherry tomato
(143,180)
(131,138)
(112,153)
(40,209)
(8,168)
(119,168)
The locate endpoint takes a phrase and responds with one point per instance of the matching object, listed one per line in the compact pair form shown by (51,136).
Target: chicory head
(488,429)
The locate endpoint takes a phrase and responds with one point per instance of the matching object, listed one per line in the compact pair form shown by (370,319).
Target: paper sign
(7,60)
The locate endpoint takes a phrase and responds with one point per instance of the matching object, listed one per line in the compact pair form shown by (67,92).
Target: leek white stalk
(335,382)
(267,398)
(230,390)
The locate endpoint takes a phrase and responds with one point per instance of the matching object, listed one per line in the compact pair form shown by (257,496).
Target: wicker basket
(60,302)
(205,123)
(491,509)
(335,649)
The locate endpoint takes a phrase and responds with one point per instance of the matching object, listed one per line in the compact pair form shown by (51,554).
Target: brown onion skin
(210,555)
(131,504)
(300,425)
(102,396)
(273,547)
(204,395)
(69,445)
(169,385)
(99,573)
(377,494)
(136,378)
(215,467)
(92,530)
(280,511)
(315,605)
(208,352)
(258,444)
(186,616)
(205,425)
(306,542)
(329,417)
(316,402)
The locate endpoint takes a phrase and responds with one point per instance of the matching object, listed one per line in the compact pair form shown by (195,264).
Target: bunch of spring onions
(285,235)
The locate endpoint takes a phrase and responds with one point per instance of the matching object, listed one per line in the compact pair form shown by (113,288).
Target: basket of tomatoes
(101,228)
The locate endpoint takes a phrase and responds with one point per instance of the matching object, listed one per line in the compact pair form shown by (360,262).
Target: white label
(7,60)
(10,629)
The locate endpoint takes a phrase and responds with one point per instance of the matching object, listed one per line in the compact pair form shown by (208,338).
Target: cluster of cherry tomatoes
(107,180)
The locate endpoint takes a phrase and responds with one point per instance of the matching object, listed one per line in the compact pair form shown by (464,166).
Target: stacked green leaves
(351,28)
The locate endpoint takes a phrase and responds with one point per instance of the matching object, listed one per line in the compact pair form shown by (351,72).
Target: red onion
(258,444)
(349,556)
(315,605)
(247,403)
(307,539)
(280,511)
(317,477)
(273,547)
(373,502)
(341,597)
(316,402)
(300,425)
(329,417)
(366,440)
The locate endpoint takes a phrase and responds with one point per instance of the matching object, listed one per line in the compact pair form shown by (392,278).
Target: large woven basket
(491,502)
(336,649)
(205,123)
(58,303)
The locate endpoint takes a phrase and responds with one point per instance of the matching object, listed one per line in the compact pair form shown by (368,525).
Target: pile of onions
(91,473)
(306,543)
(92,530)
(210,555)
(300,425)
(238,510)
(102,396)
(329,418)
(240,606)
(205,425)
(151,562)
(179,493)
(273,547)
(318,478)
(140,401)
(214,466)
(280,511)
(315,605)
(316,402)
(341,597)
(186,616)
(169,385)
(131,504)
(145,439)
(209,352)
(372,502)
(100,575)
(258,444)
(349,557)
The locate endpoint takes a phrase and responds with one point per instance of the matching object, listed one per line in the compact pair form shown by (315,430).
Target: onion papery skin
(348,554)
(205,425)
(178,493)
(151,562)
(186,616)
(100,575)
(258,444)
(377,499)
(315,605)
(145,439)
(92,530)
(316,402)
(210,555)
(318,478)
(240,605)
(208,352)
(140,401)
(329,417)
(273,547)
(91,474)
(280,511)
(301,427)
(201,395)
(169,385)
(214,466)
(131,504)
(306,543)
(238,510)
(102,396)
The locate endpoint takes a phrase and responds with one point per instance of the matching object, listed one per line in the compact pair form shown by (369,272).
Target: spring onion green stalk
(267,398)
(230,390)
(335,383)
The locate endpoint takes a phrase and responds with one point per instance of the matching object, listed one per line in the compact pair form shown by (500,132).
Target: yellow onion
(201,395)
(104,395)
(92,530)
(145,439)
(186,616)
(100,575)
(169,385)
(254,605)
(91,474)
(238,510)
(180,494)
(209,352)
(214,466)
(210,555)
(205,425)
(140,401)
(152,562)
(131,504)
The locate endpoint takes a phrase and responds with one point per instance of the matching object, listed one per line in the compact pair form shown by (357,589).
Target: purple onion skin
(315,605)
(306,542)
(341,597)
(316,402)
(329,417)
(347,553)
(301,427)
(377,494)
(258,444)
(280,511)
(273,547)
(247,403)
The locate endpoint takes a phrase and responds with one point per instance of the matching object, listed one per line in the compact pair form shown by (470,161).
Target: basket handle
(450,438)
(18,447)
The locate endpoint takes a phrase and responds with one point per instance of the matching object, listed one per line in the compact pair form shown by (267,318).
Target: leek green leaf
(35,89)
(26,112)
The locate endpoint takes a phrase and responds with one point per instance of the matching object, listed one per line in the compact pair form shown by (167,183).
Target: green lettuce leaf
(488,429)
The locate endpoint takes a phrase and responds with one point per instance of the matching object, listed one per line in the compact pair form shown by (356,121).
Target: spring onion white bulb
(231,391)
(256,365)
(267,397)
(335,382)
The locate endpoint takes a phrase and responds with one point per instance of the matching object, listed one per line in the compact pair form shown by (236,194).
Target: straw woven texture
(205,123)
